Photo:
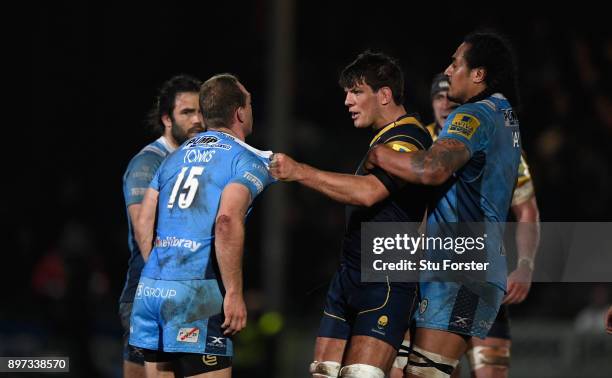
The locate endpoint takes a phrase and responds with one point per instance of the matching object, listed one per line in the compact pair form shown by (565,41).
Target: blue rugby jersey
(136,180)
(481,191)
(190,182)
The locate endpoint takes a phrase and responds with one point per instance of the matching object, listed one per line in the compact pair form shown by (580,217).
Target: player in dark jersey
(473,165)
(175,117)
(363,323)
(490,357)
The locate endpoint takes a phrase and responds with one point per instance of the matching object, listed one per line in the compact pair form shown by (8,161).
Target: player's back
(190,183)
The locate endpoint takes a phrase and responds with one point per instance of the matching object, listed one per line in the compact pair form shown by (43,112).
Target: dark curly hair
(166,99)
(494,53)
(376,70)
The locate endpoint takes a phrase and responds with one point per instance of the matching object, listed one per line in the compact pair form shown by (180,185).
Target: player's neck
(389,115)
(231,132)
(171,141)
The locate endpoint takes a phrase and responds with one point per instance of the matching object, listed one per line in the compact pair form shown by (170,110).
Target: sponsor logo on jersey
(206,141)
(138,191)
(216,342)
(464,125)
(188,335)
(171,241)
(510,118)
(155,292)
(254,180)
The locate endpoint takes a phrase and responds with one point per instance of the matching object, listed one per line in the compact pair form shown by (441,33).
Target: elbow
(365,201)
(224,224)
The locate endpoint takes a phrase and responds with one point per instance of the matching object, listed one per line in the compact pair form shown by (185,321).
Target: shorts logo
(155,292)
(484,324)
(460,322)
(216,342)
(464,125)
(423,305)
(383,321)
(209,359)
(188,335)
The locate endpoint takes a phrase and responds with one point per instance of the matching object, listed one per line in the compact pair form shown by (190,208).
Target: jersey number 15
(189,187)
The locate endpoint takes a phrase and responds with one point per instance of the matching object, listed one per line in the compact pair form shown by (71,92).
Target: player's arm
(348,189)
(527,240)
(144,221)
(430,167)
(229,243)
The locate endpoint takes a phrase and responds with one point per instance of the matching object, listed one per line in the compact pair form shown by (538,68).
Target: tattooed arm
(431,167)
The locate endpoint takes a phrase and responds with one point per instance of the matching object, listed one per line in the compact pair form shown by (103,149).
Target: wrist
(301,172)
(525,262)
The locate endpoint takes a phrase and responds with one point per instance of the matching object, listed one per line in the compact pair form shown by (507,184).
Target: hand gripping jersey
(190,183)
(481,191)
(136,180)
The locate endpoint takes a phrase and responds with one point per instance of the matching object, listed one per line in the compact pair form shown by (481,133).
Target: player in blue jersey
(489,358)
(189,301)
(175,117)
(473,165)
(363,323)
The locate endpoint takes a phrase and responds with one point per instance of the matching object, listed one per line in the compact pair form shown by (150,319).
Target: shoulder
(409,135)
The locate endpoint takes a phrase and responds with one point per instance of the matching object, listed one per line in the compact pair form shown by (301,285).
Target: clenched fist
(284,168)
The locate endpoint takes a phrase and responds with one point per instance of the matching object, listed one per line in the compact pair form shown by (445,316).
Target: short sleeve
(140,173)
(251,172)
(466,125)
(403,138)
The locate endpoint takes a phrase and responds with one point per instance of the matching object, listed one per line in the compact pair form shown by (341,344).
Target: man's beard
(181,136)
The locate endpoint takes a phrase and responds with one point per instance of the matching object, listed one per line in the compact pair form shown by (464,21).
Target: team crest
(383,321)
(464,125)
(209,359)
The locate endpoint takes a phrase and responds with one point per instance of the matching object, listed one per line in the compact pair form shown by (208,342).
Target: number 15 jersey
(190,182)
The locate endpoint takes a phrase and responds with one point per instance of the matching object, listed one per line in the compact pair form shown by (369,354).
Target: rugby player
(363,323)
(491,357)
(473,165)
(174,116)
(189,301)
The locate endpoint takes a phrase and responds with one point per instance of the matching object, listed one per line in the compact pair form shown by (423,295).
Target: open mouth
(354,115)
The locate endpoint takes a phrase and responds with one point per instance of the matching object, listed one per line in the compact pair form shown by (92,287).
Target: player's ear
(385,95)
(240,114)
(166,120)
(478,75)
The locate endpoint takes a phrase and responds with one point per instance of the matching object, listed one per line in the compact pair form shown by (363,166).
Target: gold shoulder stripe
(432,130)
(403,121)
(403,136)
(402,146)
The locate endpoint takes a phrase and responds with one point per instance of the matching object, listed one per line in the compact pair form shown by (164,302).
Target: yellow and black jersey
(434,130)
(406,203)
(524,186)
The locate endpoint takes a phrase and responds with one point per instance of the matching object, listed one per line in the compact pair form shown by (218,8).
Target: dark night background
(94,74)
